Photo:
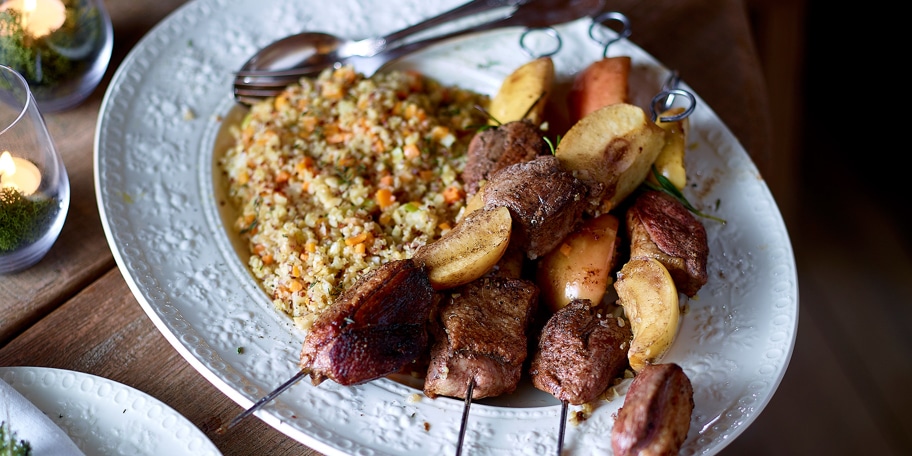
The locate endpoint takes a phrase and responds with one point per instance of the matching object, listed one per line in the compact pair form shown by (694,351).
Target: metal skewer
(465,416)
(263,401)
(563,427)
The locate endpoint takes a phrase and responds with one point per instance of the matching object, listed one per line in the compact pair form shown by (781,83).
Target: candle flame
(7,167)
(29,5)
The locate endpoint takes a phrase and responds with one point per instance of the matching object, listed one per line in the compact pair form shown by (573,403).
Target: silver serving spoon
(257,81)
(313,48)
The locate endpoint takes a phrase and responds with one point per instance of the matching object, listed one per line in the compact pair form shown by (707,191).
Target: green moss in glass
(23,220)
(49,60)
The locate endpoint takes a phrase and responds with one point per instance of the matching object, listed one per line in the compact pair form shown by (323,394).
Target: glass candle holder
(34,187)
(61,47)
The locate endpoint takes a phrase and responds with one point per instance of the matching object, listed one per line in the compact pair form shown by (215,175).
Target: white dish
(154,153)
(104,417)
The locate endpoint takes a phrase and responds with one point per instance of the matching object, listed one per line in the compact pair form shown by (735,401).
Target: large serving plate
(162,126)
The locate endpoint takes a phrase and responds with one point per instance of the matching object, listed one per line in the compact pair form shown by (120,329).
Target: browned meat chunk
(545,201)
(372,329)
(655,417)
(580,352)
(660,227)
(481,336)
(496,148)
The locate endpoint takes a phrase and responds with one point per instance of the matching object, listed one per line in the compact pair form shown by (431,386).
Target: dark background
(837,80)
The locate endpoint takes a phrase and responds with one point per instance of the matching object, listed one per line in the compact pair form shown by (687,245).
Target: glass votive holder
(34,187)
(61,47)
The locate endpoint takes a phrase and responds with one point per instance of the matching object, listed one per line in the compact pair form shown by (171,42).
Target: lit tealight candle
(19,173)
(39,17)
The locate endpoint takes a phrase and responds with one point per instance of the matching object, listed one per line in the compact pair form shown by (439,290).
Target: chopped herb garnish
(250,227)
(666,186)
(8,444)
(240,350)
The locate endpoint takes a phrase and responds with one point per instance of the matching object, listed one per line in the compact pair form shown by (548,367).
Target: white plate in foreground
(159,204)
(104,417)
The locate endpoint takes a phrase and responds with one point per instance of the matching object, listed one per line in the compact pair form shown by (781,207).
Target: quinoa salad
(342,173)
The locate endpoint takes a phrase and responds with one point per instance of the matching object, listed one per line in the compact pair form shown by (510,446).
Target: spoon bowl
(303,49)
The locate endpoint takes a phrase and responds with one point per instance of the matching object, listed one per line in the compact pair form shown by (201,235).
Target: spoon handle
(467,9)
(532,14)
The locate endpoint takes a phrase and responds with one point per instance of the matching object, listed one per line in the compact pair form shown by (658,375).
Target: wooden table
(73,310)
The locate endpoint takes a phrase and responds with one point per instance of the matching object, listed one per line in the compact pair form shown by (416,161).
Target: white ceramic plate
(104,417)
(158,197)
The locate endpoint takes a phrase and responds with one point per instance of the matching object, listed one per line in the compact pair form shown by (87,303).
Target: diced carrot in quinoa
(384,197)
(453,194)
(295,286)
(386,181)
(280,102)
(411,151)
(427,174)
(357,239)
(282,177)
(331,91)
(439,132)
(308,124)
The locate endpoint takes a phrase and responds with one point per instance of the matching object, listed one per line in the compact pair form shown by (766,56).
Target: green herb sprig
(553,145)
(666,186)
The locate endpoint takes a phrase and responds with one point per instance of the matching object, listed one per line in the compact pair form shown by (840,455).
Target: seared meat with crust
(660,227)
(545,201)
(496,148)
(372,329)
(580,352)
(655,417)
(482,335)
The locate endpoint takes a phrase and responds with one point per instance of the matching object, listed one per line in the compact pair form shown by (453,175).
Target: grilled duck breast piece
(580,352)
(660,227)
(372,329)
(656,414)
(496,148)
(481,335)
(545,201)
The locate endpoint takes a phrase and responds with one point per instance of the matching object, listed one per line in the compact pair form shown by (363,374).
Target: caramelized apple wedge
(580,268)
(670,162)
(650,300)
(524,93)
(612,150)
(469,250)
